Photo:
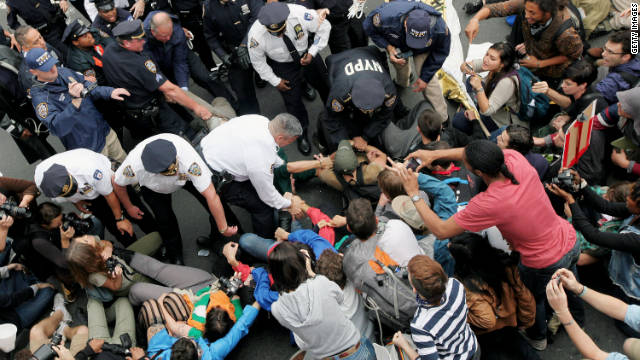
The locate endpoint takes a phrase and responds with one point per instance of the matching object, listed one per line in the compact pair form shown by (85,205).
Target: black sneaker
(309,92)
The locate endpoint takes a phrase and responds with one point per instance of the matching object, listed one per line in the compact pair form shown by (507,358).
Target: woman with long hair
(497,96)
(309,306)
(497,299)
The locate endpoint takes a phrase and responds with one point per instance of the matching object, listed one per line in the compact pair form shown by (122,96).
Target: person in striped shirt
(439,328)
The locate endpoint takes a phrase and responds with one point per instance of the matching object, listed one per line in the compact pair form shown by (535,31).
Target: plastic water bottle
(531,108)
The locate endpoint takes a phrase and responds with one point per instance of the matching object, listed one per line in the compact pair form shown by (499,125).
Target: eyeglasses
(611,52)
(172,170)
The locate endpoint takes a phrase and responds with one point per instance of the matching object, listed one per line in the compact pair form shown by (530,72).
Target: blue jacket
(263,293)
(444,199)
(385,25)
(171,57)
(614,82)
(219,349)
(82,127)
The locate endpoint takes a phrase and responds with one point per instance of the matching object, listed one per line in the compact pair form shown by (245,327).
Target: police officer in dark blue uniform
(167,44)
(126,65)
(86,48)
(361,100)
(413,29)
(45,17)
(109,16)
(190,13)
(226,24)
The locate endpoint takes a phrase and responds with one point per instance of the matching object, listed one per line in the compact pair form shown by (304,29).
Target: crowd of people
(457,237)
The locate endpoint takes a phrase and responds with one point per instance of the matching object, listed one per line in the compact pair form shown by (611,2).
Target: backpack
(383,283)
(532,105)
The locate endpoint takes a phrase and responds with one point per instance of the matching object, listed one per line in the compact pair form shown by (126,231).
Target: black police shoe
(203,241)
(309,92)
(259,82)
(303,145)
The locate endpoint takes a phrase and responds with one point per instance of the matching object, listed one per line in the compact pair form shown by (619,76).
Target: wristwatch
(416,198)
(120,218)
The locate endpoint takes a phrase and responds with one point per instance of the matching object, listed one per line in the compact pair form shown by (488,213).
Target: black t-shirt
(577,106)
(136,72)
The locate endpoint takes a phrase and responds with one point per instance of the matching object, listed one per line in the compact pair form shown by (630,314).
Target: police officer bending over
(125,65)
(83,177)
(361,100)
(280,53)
(109,16)
(63,101)
(45,17)
(167,44)
(408,29)
(226,24)
(162,164)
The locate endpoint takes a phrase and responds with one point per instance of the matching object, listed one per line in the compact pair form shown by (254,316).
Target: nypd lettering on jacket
(359,65)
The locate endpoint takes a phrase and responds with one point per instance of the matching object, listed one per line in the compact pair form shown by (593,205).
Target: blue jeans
(537,279)
(4,254)
(30,310)
(258,246)
(364,352)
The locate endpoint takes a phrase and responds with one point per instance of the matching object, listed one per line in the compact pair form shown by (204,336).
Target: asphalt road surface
(267,339)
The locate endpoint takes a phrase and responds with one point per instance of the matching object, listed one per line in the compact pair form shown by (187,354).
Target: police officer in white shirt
(162,164)
(83,177)
(246,148)
(280,53)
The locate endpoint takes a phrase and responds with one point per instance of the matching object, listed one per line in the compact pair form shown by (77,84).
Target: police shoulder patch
(194,169)
(298,29)
(308,16)
(43,110)
(97,175)
(128,171)
(90,72)
(182,177)
(85,189)
(150,65)
(390,101)
(376,20)
(336,106)
(253,43)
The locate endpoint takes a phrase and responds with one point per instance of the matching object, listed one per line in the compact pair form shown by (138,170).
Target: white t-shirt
(191,167)
(399,242)
(91,170)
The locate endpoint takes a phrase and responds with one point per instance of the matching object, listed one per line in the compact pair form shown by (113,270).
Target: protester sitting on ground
(625,245)
(329,264)
(627,107)
(431,129)
(499,303)
(497,97)
(610,306)
(513,197)
(624,67)
(210,336)
(519,138)
(439,328)
(307,306)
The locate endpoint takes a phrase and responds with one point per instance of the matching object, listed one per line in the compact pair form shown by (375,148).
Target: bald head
(161,26)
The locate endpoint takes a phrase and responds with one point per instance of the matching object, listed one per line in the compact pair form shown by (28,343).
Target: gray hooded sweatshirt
(313,313)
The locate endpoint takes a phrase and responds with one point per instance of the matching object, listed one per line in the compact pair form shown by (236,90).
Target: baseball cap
(404,207)
(417,29)
(40,59)
(158,155)
(57,181)
(345,161)
(367,93)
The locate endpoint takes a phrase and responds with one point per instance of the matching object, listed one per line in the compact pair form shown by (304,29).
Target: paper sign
(578,136)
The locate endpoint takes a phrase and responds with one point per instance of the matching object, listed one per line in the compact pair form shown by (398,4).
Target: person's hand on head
(556,296)
(96,345)
(408,177)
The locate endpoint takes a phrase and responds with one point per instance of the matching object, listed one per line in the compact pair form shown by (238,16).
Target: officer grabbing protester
(126,65)
(226,24)
(361,100)
(281,55)
(412,29)
(86,50)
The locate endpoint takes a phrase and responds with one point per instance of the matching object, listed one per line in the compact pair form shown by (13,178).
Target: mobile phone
(468,66)
(404,55)
(559,279)
(413,164)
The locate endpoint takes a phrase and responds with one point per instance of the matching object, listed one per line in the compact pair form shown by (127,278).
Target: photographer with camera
(16,201)
(625,245)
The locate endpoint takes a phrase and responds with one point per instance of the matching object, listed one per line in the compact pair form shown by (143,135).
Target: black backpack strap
(563,27)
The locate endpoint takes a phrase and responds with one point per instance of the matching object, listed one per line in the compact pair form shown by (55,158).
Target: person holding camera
(16,202)
(625,245)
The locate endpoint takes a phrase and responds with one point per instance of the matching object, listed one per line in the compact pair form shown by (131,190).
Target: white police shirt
(300,23)
(191,167)
(91,170)
(245,148)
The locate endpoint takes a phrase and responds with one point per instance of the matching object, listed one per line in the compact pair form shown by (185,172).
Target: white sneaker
(539,345)
(58,304)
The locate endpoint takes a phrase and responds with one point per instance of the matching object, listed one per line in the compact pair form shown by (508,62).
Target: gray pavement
(267,339)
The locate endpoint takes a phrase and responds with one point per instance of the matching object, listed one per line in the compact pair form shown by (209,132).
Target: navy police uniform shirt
(134,71)
(101,24)
(82,127)
(226,25)
(34,12)
(344,119)
(385,26)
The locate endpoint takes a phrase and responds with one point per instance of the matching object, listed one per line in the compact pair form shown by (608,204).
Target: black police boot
(303,144)
(309,92)
(284,220)
(259,82)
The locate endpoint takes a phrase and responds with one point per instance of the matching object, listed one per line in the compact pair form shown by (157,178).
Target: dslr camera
(565,181)
(11,208)
(45,351)
(230,286)
(81,226)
